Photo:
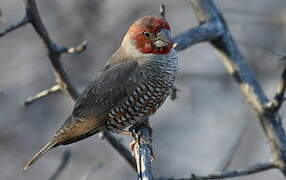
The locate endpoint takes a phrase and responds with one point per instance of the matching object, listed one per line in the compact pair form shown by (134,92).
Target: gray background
(197,133)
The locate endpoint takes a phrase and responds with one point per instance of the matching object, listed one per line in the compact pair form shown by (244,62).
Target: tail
(43,151)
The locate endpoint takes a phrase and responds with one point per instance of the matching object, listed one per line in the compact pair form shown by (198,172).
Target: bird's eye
(147,34)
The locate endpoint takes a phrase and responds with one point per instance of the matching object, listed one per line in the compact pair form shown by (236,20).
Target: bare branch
(279,98)
(240,172)
(75,50)
(230,174)
(13,27)
(62,166)
(280,92)
(206,11)
(54,51)
(202,33)
(281,54)
(162,11)
(42,94)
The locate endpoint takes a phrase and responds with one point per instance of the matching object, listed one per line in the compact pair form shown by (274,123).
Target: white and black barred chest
(148,96)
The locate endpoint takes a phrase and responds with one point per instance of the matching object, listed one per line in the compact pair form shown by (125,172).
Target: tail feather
(43,151)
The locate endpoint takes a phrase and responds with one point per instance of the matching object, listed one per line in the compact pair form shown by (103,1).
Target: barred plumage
(148,96)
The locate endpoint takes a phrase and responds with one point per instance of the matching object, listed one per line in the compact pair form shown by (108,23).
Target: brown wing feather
(110,87)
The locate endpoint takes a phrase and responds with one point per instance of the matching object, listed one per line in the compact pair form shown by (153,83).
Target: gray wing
(110,87)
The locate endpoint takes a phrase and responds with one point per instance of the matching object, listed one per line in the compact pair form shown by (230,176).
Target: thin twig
(279,98)
(262,47)
(163,11)
(13,27)
(278,53)
(54,51)
(230,174)
(240,172)
(42,94)
(75,50)
(280,92)
(65,160)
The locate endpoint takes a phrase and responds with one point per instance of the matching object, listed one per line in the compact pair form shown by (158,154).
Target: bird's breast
(147,97)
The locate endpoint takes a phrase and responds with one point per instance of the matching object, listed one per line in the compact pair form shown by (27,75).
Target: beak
(163,39)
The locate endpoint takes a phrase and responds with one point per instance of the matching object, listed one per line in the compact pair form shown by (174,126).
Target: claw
(143,140)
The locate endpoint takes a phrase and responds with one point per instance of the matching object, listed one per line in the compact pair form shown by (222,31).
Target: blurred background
(207,127)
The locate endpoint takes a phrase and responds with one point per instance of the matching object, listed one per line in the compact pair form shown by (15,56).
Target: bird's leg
(143,121)
(134,132)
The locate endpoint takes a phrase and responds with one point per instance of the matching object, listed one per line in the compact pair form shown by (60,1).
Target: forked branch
(209,15)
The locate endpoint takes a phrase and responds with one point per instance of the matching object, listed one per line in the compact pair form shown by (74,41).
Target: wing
(110,87)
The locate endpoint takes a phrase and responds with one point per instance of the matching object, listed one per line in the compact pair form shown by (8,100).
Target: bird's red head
(151,35)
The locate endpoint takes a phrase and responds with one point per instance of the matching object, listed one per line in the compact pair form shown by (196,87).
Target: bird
(132,85)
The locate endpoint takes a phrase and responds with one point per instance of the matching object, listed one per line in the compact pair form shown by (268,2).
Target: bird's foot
(137,135)
(144,122)
(134,132)
(138,140)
